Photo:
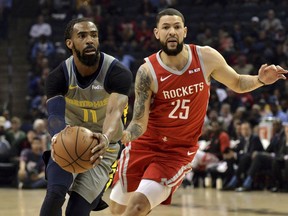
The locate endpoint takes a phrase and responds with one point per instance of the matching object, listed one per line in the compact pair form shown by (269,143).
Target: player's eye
(82,35)
(94,35)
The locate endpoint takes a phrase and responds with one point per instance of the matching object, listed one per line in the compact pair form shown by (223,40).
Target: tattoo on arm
(136,131)
(142,88)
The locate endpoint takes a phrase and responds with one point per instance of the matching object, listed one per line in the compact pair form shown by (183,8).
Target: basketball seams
(67,155)
(85,150)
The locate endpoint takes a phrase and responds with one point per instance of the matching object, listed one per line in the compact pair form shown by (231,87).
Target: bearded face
(89,55)
(170,51)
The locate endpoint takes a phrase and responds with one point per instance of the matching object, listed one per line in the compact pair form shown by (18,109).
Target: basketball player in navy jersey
(89,89)
(171,98)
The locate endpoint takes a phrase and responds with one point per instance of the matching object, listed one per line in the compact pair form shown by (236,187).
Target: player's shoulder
(144,69)
(206,49)
(208,52)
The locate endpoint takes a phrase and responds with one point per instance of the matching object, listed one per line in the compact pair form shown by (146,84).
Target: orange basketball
(72,149)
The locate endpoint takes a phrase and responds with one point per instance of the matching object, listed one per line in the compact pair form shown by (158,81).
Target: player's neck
(85,70)
(177,62)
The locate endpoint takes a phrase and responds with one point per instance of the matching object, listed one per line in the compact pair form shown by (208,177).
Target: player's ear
(185,32)
(156,33)
(69,43)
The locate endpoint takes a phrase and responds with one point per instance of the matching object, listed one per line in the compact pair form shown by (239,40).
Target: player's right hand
(99,150)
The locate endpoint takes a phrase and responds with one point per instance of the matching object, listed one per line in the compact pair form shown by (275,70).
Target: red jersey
(178,107)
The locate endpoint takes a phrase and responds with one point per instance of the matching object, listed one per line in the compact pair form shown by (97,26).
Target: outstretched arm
(143,92)
(217,67)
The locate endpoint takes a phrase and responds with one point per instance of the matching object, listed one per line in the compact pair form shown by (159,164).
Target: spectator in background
(127,31)
(234,129)
(253,28)
(242,65)
(42,45)
(40,127)
(225,115)
(238,34)
(40,28)
(143,35)
(36,90)
(280,165)
(241,155)
(275,109)
(220,140)
(17,137)
(31,173)
(233,99)
(271,23)
(262,161)
(254,115)
(206,37)
(125,58)
(29,138)
(207,159)
(146,8)
(5,142)
(6,114)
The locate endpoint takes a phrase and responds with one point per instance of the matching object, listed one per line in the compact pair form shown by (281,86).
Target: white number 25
(180,104)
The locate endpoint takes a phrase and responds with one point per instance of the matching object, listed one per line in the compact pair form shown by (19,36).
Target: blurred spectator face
(213,115)
(36,146)
(30,135)
(271,14)
(241,60)
(246,130)
(215,126)
(16,123)
(225,109)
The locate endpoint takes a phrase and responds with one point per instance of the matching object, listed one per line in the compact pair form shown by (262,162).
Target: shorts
(154,192)
(138,164)
(91,183)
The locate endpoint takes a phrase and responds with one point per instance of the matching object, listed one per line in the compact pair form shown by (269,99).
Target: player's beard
(88,60)
(171,52)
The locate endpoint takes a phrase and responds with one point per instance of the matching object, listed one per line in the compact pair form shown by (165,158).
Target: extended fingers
(281,70)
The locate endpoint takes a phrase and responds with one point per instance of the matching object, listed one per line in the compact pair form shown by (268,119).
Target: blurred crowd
(233,147)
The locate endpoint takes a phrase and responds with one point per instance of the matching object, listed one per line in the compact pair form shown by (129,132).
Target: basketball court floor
(186,202)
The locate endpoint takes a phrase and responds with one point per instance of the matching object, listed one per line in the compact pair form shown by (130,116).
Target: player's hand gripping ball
(72,149)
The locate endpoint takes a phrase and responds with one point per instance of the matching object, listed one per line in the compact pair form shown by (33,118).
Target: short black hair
(70,25)
(169,12)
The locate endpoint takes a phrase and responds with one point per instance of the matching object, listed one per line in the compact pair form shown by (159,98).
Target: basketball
(72,149)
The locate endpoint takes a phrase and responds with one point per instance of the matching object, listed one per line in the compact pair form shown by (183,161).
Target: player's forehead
(170,20)
(86,26)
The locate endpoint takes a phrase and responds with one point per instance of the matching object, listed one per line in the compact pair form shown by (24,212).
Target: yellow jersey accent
(111,150)
(72,87)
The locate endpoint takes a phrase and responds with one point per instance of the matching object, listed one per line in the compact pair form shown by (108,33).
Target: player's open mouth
(172,41)
(90,51)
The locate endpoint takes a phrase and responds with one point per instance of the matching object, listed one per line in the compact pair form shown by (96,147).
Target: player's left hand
(269,74)
(99,150)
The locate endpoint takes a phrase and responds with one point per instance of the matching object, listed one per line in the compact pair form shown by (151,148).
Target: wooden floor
(186,202)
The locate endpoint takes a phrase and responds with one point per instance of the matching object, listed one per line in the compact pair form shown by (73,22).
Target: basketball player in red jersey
(171,98)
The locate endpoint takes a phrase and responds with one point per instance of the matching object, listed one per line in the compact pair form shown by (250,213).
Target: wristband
(107,140)
(260,81)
